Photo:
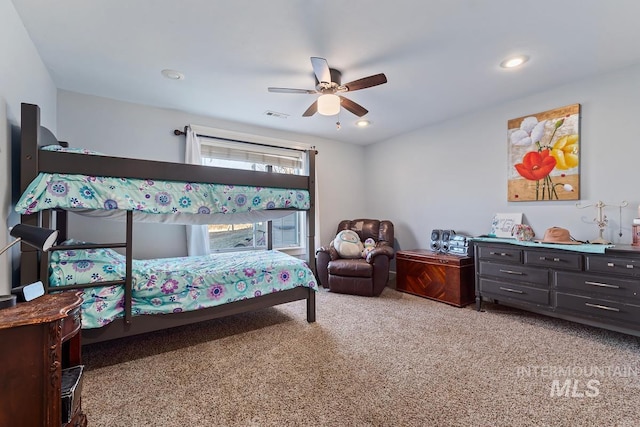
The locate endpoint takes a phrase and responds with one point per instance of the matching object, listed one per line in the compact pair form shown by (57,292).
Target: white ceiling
(440,56)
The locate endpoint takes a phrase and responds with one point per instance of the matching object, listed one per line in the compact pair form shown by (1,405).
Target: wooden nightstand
(445,278)
(39,338)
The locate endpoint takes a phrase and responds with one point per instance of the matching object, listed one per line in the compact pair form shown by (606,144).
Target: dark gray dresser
(572,283)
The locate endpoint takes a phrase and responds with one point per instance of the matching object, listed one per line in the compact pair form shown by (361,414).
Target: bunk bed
(128,281)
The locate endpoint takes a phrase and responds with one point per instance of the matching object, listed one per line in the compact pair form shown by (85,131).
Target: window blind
(247,152)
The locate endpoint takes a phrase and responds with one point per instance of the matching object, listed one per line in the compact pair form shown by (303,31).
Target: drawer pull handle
(498,253)
(611,264)
(603,285)
(519,273)
(544,258)
(515,291)
(601,307)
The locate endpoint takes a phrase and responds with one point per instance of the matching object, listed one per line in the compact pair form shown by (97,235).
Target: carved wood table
(37,340)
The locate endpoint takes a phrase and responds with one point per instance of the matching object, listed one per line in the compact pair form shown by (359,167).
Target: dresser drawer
(514,272)
(502,290)
(597,285)
(555,259)
(498,253)
(613,265)
(598,308)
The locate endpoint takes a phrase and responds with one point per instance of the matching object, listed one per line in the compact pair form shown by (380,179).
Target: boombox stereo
(448,242)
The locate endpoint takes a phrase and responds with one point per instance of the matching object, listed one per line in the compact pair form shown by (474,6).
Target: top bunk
(78,180)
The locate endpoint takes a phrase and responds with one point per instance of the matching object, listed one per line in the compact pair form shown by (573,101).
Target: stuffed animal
(348,244)
(369,245)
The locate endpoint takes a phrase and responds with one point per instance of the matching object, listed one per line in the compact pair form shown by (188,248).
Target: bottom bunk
(148,323)
(170,292)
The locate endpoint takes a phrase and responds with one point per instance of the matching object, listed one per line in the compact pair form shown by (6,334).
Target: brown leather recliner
(360,276)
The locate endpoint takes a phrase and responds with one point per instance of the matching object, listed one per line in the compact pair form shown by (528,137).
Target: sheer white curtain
(197,235)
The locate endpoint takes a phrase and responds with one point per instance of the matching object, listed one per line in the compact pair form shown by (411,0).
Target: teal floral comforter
(172,285)
(54,190)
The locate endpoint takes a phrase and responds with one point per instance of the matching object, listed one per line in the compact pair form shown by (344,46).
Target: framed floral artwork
(502,224)
(544,156)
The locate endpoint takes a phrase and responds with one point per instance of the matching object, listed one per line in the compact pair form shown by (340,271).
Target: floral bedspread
(54,190)
(174,284)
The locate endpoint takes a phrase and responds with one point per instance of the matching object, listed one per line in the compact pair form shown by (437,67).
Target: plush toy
(348,244)
(369,245)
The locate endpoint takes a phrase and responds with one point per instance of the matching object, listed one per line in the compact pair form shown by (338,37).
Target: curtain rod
(179,132)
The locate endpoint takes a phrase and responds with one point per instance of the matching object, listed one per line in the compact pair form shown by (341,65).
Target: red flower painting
(536,165)
(543,153)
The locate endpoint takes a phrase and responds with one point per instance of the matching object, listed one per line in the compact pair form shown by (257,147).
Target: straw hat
(558,235)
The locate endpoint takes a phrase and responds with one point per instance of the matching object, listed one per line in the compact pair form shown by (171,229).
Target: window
(288,231)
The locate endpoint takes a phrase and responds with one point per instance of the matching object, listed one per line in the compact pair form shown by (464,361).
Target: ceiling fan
(329,86)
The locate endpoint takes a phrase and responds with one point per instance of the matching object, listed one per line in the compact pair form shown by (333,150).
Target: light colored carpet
(396,360)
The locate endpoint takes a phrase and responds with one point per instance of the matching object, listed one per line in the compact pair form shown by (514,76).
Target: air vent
(276,114)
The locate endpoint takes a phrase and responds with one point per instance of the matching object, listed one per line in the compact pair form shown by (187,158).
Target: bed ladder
(127,246)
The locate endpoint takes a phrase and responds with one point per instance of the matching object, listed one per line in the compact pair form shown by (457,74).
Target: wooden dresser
(597,289)
(38,339)
(445,278)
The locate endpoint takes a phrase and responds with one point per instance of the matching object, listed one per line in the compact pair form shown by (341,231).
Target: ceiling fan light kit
(329,104)
(328,85)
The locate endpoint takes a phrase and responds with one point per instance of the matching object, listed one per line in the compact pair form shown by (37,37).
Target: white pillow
(348,244)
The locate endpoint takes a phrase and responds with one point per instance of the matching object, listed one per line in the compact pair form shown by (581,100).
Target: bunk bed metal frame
(34,265)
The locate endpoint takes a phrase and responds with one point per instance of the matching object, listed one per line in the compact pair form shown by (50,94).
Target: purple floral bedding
(54,190)
(172,285)
(66,191)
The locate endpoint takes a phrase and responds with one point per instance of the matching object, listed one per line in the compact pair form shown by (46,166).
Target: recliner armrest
(330,250)
(385,250)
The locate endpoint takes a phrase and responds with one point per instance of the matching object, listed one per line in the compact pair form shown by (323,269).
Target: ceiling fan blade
(287,90)
(313,108)
(363,83)
(355,108)
(321,69)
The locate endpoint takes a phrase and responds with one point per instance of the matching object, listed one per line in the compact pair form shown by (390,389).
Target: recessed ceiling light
(172,74)
(514,61)
(363,123)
